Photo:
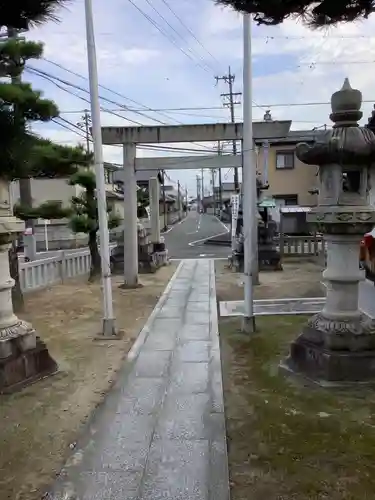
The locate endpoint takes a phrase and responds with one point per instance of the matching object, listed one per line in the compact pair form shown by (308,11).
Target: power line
(144,107)
(126,108)
(189,30)
(175,31)
(166,35)
(198,108)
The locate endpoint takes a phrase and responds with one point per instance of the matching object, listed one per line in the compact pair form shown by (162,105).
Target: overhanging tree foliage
(20,150)
(84,215)
(315,13)
(21,14)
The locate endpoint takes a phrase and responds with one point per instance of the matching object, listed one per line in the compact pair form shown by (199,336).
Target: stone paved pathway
(160,433)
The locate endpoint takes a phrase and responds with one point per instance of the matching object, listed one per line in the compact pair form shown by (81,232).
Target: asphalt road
(186,239)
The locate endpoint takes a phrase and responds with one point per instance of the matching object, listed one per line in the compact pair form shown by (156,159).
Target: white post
(130,218)
(154,190)
(46,222)
(108,317)
(249,180)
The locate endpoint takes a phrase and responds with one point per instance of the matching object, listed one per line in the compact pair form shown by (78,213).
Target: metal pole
(249,179)
(108,327)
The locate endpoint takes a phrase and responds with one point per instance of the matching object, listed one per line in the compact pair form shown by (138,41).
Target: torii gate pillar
(130,217)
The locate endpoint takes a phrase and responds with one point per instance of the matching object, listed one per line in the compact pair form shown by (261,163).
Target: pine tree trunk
(17,295)
(95,257)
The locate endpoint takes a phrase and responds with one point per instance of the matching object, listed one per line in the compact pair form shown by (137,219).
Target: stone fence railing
(301,246)
(41,273)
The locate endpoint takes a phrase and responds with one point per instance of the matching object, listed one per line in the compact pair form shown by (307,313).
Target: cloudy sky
(159,54)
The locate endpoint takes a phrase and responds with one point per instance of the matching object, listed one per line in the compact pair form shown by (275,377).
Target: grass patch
(287,440)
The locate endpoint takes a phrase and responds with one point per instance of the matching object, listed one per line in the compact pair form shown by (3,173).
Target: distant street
(186,239)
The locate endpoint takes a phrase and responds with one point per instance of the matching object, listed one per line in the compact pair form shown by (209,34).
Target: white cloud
(292,64)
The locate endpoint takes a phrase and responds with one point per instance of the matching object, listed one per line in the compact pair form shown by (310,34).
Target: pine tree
(24,155)
(84,215)
(315,13)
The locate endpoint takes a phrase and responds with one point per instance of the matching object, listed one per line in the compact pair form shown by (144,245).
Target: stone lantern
(23,357)
(338,344)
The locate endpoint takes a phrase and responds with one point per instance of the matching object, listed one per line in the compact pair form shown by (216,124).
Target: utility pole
(230,101)
(85,126)
(24,184)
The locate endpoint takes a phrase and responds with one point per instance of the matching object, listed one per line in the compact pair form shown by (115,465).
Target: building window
(283,200)
(284,159)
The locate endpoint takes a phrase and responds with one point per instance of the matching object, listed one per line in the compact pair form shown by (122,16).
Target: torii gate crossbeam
(129,137)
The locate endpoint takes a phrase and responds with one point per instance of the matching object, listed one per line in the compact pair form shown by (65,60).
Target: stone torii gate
(129,137)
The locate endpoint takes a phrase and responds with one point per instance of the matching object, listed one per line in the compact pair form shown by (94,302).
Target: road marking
(192,243)
(222,223)
(174,225)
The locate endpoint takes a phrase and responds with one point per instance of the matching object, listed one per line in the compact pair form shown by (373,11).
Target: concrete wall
(298,180)
(43,190)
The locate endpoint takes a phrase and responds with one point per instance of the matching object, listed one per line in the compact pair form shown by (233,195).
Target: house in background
(59,234)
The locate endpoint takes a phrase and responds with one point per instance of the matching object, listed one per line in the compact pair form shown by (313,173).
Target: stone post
(337,345)
(130,218)
(154,190)
(23,357)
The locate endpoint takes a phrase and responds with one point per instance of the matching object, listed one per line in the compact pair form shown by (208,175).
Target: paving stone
(171,311)
(198,307)
(193,351)
(177,471)
(219,477)
(197,318)
(160,341)
(199,297)
(170,325)
(103,485)
(152,363)
(194,332)
(189,378)
(184,417)
(160,433)
(142,396)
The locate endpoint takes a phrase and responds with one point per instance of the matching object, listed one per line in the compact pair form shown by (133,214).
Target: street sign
(235,206)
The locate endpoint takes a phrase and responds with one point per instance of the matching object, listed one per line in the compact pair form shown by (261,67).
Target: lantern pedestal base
(24,366)
(332,352)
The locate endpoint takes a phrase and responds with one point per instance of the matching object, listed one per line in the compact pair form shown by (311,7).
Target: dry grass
(288,441)
(299,278)
(39,423)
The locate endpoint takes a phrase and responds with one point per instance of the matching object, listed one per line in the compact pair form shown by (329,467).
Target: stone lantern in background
(23,357)
(338,344)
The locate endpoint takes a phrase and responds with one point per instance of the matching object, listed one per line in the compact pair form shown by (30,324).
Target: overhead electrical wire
(52,78)
(177,33)
(166,3)
(166,35)
(144,107)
